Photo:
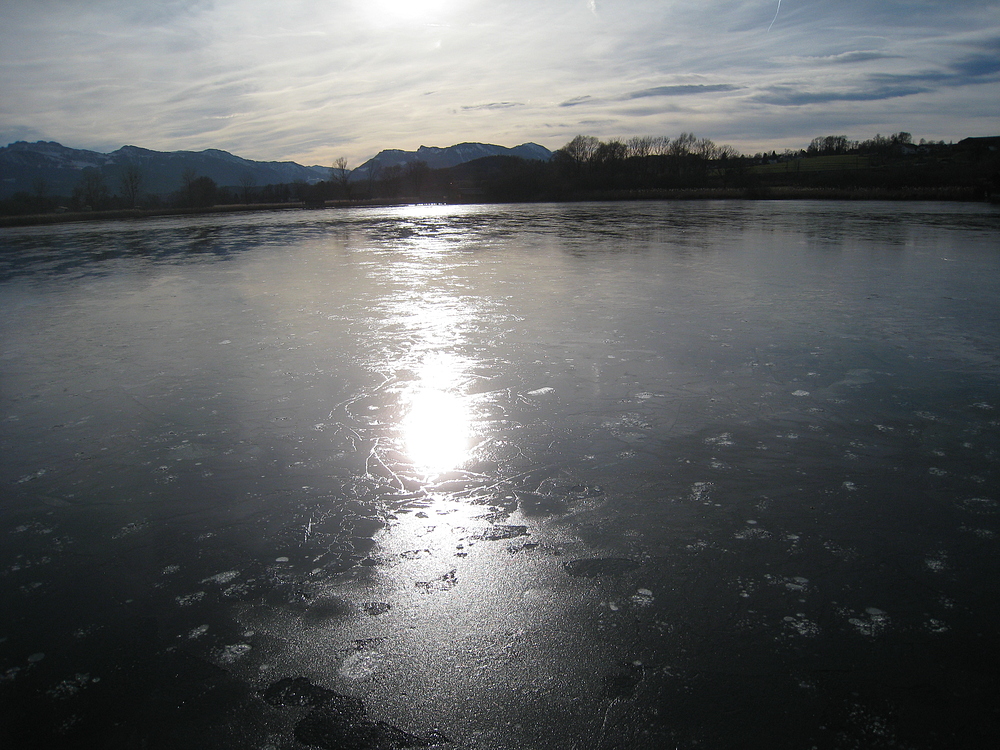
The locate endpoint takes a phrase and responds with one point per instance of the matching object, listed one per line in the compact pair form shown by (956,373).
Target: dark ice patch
(497,514)
(441,583)
(376,608)
(622,684)
(515,548)
(536,504)
(415,554)
(498,531)
(367,527)
(600,566)
(329,608)
(327,728)
(340,722)
(299,691)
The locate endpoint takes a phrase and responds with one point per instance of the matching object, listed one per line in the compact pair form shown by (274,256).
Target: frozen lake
(642,475)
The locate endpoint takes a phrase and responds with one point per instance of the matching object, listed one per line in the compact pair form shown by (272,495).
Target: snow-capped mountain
(451,156)
(30,166)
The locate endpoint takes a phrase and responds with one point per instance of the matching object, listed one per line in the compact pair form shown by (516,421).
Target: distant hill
(25,167)
(452,156)
(56,169)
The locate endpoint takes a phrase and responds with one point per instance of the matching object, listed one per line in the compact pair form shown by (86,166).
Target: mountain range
(49,167)
(452,156)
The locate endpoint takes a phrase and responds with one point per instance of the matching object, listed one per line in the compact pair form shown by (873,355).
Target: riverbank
(960,194)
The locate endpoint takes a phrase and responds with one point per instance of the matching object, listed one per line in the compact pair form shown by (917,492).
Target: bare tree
(91,192)
(204,191)
(581,149)
(829,144)
(706,149)
(416,173)
(660,145)
(41,187)
(391,181)
(640,146)
(373,173)
(341,176)
(188,176)
(682,144)
(610,153)
(248,183)
(130,183)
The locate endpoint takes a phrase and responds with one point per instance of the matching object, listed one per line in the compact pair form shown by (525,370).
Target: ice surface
(513,450)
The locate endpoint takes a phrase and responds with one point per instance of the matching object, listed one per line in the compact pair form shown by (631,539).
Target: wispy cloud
(881,86)
(984,61)
(577,100)
(492,105)
(310,81)
(789,96)
(682,90)
(841,58)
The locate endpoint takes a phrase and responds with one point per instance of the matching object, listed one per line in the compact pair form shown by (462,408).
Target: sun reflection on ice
(436,431)
(437,428)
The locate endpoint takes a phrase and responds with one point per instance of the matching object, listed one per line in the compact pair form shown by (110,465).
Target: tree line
(660,166)
(585,167)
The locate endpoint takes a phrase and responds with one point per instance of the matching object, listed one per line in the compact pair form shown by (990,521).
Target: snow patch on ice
(542,391)
(222,578)
(231,653)
(359,665)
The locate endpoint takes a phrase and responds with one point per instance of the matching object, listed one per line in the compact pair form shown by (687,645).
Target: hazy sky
(311,80)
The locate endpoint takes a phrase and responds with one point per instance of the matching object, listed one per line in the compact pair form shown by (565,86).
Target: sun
(405,11)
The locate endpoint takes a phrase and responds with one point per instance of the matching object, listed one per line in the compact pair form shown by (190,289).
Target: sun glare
(405,11)
(436,430)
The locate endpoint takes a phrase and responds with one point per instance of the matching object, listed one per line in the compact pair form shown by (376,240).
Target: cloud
(688,89)
(977,66)
(788,96)
(310,81)
(492,105)
(682,90)
(882,86)
(841,58)
(13,133)
(984,62)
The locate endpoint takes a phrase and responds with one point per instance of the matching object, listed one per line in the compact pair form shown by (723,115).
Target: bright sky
(311,80)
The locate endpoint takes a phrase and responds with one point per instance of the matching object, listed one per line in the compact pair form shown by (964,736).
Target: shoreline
(954,194)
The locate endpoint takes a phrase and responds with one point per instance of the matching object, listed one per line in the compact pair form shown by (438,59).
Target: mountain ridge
(437,157)
(28,166)
(55,169)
